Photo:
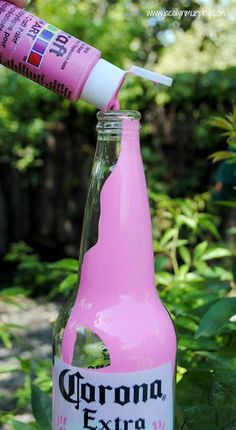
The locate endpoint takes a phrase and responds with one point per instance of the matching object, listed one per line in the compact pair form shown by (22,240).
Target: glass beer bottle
(114,341)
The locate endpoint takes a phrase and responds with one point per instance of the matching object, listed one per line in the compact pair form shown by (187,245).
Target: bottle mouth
(115,120)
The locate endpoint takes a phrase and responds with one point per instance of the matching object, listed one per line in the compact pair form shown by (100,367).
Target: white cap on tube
(105,80)
(102,83)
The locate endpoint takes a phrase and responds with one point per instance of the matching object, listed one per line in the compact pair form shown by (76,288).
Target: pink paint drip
(116,105)
(117,298)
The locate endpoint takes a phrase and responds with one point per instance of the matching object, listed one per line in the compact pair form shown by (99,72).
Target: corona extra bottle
(114,341)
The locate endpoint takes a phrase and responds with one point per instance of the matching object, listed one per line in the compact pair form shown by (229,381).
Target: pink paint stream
(117,298)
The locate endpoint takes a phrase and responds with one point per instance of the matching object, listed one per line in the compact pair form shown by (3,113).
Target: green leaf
(17,425)
(225,358)
(200,311)
(223,274)
(200,249)
(41,407)
(182,271)
(203,269)
(68,282)
(209,226)
(226,203)
(190,344)
(161,262)
(185,255)
(176,244)
(167,236)
(5,337)
(190,222)
(218,315)
(216,252)
(220,122)
(163,278)
(69,264)
(207,399)
(26,364)
(12,292)
(8,368)
(193,277)
(179,417)
(231,230)
(221,155)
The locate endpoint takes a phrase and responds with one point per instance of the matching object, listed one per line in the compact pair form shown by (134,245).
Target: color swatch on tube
(41,45)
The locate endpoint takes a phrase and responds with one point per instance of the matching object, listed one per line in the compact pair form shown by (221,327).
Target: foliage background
(46,151)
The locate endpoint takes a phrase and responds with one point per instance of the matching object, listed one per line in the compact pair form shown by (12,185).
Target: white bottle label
(93,400)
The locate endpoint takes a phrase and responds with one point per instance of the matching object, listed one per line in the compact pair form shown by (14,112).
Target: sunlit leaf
(167,236)
(69,264)
(190,222)
(216,252)
(14,291)
(68,282)
(200,249)
(185,255)
(220,122)
(222,155)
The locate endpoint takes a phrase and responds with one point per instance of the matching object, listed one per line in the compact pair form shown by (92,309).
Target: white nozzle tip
(156,78)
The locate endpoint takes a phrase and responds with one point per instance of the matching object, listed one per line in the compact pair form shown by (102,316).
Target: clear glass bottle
(115,332)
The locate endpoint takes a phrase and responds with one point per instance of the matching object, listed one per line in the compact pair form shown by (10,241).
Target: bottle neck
(116,249)
(107,153)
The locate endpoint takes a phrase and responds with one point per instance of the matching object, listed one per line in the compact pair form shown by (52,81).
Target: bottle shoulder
(133,331)
(119,310)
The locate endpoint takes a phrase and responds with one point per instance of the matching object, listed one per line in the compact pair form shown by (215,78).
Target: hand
(19,3)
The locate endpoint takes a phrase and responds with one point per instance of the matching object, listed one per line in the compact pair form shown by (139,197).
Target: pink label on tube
(43,53)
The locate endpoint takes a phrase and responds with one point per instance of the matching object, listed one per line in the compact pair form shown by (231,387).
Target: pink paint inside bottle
(117,297)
